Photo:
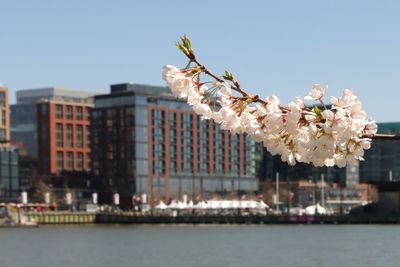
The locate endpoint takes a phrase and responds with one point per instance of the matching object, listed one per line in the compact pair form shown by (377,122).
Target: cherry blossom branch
(336,135)
(255,98)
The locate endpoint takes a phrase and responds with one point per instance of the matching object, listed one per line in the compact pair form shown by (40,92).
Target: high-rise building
(50,127)
(382,160)
(146,141)
(9,182)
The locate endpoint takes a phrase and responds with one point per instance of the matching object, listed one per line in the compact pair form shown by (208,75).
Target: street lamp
(277,192)
(116,200)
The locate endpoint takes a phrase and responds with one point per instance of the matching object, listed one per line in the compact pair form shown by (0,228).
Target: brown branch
(206,71)
(383,136)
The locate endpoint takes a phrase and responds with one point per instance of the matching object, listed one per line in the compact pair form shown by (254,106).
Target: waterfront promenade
(131,218)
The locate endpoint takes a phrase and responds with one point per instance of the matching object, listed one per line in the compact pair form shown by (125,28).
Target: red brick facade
(63,137)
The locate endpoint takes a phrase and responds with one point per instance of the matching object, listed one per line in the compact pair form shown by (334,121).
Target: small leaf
(317,111)
(182,48)
(186,42)
(228,76)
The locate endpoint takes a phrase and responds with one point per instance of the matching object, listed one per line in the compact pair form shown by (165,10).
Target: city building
(382,160)
(145,141)
(51,128)
(9,182)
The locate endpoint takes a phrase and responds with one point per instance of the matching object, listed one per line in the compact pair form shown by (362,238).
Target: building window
(88,111)
(3,136)
(70,161)
(3,118)
(87,136)
(44,109)
(59,135)
(79,115)
(2,99)
(79,161)
(70,135)
(87,161)
(60,159)
(59,112)
(79,136)
(69,113)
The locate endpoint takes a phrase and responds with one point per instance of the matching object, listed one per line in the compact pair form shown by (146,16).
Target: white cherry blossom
(316,93)
(321,136)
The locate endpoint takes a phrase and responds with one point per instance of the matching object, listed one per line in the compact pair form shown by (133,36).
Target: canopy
(215,204)
(174,205)
(161,206)
(312,210)
(182,205)
(201,205)
(261,204)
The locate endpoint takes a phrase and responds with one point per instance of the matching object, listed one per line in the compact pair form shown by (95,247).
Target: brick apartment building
(50,127)
(63,136)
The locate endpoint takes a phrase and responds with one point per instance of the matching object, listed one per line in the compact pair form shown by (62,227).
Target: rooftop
(389,127)
(51,93)
(122,89)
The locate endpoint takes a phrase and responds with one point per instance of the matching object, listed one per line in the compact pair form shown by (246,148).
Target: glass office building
(382,161)
(9,180)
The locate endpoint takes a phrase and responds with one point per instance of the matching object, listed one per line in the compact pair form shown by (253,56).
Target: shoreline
(65,218)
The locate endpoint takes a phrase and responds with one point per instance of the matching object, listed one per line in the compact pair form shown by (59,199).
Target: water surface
(208,245)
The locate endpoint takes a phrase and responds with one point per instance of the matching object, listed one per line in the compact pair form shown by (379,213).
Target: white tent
(244,204)
(262,205)
(190,204)
(201,205)
(235,204)
(226,204)
(174,205)
(161,206)
(312,210)
(252,204)
(215,204)
(182,205)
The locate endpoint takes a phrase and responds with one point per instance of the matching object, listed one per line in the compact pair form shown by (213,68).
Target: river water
(208,245)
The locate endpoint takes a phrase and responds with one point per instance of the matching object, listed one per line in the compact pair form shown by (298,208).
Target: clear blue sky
(273,48)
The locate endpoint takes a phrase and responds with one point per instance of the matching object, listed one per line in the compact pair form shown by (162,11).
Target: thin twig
(383,136)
